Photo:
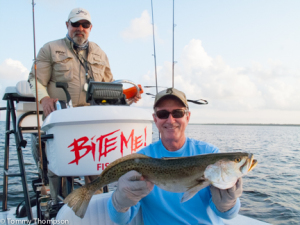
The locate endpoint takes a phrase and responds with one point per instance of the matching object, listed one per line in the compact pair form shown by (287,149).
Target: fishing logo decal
(81,11)
(169,91)
(103,145)
(60,52)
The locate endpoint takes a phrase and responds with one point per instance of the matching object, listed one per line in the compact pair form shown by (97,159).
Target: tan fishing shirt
(57,62)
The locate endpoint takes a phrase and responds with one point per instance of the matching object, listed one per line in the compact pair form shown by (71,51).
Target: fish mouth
(253,162)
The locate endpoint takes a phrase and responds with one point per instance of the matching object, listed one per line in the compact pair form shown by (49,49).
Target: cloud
(140,28)
(11,71)
(257,87)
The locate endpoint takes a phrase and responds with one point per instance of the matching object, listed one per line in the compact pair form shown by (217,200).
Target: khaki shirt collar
(69,44)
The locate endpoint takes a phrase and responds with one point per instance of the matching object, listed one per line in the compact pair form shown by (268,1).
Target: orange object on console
(131,92)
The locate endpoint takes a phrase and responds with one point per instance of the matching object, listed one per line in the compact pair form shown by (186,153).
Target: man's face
(79,34)
(171,129)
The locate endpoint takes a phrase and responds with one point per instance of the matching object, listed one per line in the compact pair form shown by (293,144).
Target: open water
(271,190)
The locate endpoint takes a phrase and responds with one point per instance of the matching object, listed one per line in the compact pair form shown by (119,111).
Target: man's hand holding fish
(226,199)
(130,190)
(176,180)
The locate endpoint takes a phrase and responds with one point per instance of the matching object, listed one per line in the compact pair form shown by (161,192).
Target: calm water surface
(271,190)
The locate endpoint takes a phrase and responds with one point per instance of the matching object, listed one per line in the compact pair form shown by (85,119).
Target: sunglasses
(84,25)
(176,113)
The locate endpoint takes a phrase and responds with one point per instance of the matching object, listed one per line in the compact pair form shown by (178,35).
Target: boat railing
(22,98)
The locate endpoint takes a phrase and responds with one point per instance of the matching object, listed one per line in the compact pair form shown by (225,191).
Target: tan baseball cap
(171,92)
(79,14)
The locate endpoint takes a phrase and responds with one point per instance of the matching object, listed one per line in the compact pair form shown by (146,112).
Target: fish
(179,174)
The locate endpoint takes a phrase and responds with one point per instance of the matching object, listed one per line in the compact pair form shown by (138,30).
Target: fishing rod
(173,50)
(198,101)
(154,55)
(156,85)
(37,100)
(173,62)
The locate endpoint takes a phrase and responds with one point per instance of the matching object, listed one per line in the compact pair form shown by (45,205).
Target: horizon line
(249,124)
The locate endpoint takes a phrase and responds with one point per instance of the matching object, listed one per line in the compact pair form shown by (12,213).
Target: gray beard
(79,40)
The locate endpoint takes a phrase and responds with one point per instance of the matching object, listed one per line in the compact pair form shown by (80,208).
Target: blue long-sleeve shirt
(163,207)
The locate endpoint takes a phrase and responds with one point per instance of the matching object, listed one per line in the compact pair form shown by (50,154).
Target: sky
(241,56)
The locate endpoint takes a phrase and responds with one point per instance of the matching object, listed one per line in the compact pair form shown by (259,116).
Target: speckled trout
(181,174)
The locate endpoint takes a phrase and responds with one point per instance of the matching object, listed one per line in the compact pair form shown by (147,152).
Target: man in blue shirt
(171,116)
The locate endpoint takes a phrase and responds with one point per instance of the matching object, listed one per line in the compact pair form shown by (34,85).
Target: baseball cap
(79,14)
(171,92)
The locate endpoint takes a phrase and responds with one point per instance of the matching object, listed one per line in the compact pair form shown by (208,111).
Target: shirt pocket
(97,67)
(62,68)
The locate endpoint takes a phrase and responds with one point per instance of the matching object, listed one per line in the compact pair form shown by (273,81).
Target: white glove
(132,187)
(226,199)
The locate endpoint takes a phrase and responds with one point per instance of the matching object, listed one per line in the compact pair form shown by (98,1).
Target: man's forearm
(119,217)
(42,91)
(231,213)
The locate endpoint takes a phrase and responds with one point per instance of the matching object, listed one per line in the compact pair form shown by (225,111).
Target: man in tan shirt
(74,60)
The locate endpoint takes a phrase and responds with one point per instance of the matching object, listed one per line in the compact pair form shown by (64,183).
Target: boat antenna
(36,98)
(173,50)
(154,53)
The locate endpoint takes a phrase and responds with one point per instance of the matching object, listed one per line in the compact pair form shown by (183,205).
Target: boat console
(80,141)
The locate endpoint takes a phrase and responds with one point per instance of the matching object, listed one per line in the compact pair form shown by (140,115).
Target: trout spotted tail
(79,199)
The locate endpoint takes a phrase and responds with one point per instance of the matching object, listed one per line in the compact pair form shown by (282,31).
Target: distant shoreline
(237,124)
(247,124)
